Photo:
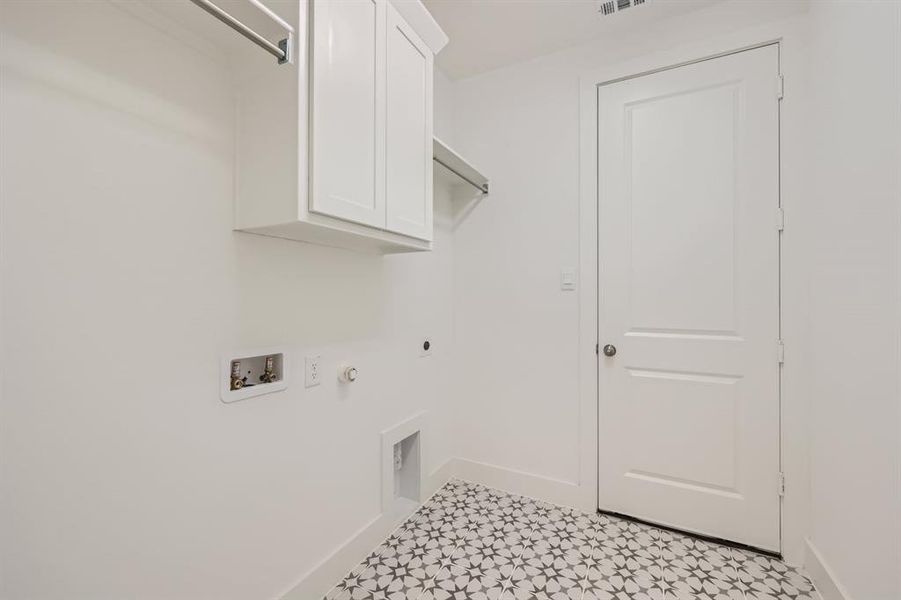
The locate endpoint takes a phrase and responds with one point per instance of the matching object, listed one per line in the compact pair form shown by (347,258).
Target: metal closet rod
(281,51)
(482,187)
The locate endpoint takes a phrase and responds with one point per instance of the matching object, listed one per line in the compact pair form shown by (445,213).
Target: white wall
(517,332)
(854,361)
(122,473)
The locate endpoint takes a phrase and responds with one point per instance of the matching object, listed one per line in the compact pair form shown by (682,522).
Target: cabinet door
(348,116)
(408,131)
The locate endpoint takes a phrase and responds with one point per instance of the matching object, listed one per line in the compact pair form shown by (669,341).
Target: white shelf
(456,165)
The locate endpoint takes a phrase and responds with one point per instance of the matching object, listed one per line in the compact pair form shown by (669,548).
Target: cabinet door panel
(408,131)
(348,86)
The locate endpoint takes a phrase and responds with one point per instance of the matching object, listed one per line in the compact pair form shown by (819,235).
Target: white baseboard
(317,582)
(554,491)
(321,578)
(438,478)
(823,576)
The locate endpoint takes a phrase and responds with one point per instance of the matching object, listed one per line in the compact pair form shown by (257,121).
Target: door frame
(793,432)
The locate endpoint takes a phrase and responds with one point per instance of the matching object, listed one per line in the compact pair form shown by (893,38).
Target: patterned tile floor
(469,542)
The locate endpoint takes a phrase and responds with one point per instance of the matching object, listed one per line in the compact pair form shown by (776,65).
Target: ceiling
(487,34)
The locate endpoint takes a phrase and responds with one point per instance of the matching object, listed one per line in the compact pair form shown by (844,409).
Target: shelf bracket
(482,187)
(458,166)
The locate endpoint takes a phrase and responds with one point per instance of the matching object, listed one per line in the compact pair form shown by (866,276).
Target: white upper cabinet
(408,97)
(336,149)
(348,125)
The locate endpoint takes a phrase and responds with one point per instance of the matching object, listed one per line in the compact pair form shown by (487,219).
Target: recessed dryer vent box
(248,374)
(402,467)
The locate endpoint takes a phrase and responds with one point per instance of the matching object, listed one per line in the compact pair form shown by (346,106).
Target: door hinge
(780,219)
(780,351)
(780,87)
(781,484)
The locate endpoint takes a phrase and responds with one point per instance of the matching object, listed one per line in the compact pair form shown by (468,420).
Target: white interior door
(689,296)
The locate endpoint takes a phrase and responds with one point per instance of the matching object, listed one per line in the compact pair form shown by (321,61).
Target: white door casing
(688,192)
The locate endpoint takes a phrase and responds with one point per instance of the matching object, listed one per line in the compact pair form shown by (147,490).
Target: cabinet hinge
(781,484)
(780,87)
(780,219)
(780,351)
(597,348)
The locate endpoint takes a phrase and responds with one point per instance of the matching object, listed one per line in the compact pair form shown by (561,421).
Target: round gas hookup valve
(347,373)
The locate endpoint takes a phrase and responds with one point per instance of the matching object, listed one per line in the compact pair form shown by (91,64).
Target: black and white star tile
(470,542)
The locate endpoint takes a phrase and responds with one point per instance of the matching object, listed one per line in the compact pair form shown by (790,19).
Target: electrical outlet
(313,371)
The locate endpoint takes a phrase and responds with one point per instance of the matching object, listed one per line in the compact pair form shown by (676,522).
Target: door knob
(609,350)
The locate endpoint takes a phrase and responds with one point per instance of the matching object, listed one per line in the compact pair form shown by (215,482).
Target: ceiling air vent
(609,7)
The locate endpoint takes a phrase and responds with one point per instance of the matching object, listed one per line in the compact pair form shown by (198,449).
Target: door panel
(409,131)
(348,110)
(656,131)
(688,255)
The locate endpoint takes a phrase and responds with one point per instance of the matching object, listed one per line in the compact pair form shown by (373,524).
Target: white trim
(437,479)
(319,580)
(589,337)
(421,20)
(549,490)
(788,35)
(824,579)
